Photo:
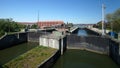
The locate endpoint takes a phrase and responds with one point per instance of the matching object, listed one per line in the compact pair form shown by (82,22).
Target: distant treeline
(8,25)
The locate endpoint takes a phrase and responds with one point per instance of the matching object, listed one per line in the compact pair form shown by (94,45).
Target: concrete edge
(88,50)
(10,34)
(44,64)
(3,36)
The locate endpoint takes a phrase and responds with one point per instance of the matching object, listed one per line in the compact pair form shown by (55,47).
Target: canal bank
(15,51)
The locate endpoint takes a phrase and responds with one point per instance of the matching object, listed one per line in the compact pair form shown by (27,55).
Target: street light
(103,19)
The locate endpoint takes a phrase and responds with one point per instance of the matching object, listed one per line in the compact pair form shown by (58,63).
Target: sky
(73,11)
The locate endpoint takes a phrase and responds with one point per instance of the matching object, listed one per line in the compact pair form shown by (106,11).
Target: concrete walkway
(98,30)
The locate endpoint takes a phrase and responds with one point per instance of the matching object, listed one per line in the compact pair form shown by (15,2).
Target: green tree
(34,26)
(8,25)
(114,20)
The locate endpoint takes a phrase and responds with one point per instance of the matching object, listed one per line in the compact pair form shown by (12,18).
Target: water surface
(84,59)
(82,32)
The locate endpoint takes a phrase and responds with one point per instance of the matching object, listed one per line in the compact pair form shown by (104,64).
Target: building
(27,23)
(44,24)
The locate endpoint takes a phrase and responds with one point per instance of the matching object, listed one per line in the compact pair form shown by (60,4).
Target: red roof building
(43,24)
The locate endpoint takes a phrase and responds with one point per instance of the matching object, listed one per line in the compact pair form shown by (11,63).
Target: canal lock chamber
(76,56)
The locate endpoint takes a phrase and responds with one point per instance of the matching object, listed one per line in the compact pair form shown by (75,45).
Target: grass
(30,59)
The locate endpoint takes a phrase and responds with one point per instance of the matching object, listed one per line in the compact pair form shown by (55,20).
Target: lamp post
(38,22)
(103,19)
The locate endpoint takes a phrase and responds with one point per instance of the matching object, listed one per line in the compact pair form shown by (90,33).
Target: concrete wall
(34,36)
(98,44)
(88,42)
(74,31)
(49,42)
(91,32)
(114,50)
(12,39)
(57,42)
(48,63)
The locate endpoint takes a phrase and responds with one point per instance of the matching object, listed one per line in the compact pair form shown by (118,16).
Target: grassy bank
(31,58)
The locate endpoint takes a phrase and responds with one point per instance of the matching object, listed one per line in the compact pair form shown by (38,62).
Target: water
(12,52)
(84,59)
(82,32)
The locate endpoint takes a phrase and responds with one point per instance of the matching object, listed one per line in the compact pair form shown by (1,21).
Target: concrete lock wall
(114,50)
(34,36)
(49,42)
(48,63)
(92,43)
(103,45)
(58,43)
(12,39)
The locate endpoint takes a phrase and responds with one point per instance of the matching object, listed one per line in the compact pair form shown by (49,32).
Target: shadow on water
(12,52)
(0,66)
(84,59)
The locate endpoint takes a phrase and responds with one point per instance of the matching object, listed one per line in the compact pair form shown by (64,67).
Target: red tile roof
(42,24)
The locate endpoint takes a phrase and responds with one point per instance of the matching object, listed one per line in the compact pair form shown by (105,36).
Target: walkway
(73,29)
(98,30)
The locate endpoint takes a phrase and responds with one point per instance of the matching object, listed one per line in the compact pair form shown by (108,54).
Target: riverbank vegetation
(9,26)
(31,59)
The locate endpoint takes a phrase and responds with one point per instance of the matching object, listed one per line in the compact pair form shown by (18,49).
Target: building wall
(43,24)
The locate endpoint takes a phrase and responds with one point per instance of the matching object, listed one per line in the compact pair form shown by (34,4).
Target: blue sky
(75,11)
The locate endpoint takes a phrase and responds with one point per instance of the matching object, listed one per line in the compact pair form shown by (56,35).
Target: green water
(12,52)
(84,59)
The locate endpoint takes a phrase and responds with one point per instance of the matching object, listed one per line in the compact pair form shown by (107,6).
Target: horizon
(72,11)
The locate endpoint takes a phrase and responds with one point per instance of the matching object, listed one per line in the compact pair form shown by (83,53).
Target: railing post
(61,45)
(18,35)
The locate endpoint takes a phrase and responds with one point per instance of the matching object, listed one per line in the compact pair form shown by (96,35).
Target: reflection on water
(12,52)
(82,32)
(84,59)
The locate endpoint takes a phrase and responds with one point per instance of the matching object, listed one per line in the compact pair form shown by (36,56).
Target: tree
(8,25)
(114,20)
(34,26)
